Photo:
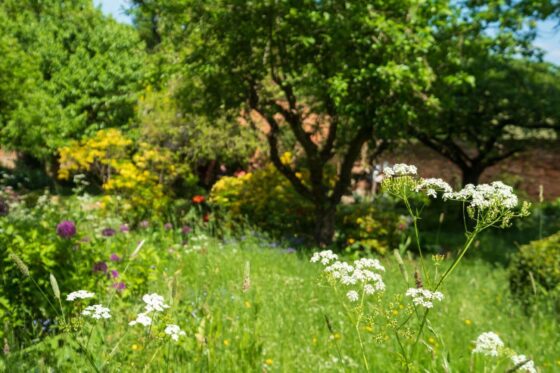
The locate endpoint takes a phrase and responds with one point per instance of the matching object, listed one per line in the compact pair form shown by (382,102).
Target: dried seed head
(20,264)
(418,279)
(247,277)
(54,286)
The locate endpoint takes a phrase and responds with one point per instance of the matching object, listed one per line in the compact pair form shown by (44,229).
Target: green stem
(455,263)
(417,238)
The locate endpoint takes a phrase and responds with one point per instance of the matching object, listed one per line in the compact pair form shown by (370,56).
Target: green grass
(278,323)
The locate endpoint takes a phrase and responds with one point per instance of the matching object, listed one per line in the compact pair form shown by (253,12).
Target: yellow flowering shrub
(134,179)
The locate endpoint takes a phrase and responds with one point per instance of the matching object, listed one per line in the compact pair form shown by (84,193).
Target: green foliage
(535,269)
(266,199)
(82,71)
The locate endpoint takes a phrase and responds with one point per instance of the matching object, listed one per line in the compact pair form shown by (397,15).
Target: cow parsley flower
(367,263)
(174,331)
(483,196)
(424,297)
(432,186)
(528,364)
(97,311)
(400,169)
(488,344)
(143,319)
(80,294)
(154,302)
(352,296)
(325,257)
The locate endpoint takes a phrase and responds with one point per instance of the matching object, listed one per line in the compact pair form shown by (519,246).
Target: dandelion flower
(97,311)
(488,344)
(80,294)
(143,319)
(174,331)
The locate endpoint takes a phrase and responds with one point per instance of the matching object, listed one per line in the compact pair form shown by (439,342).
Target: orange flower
(198,199)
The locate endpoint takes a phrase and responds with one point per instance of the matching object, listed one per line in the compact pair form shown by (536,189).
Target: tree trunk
(325,216)
(471,175)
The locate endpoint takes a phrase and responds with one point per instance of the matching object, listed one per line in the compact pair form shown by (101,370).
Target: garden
(214,187)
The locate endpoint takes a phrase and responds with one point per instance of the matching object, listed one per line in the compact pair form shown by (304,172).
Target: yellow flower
(351,241)
(135,347)
(226,342)
(314,340)
(369,328)
(395,313)
(268,362)
(468,322)
(432,341)
(247,304)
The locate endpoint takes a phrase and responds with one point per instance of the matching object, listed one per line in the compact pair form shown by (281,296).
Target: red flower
(198,199)
(206,218)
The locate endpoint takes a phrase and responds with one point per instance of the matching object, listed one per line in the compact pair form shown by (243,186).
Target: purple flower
(114,273)
(115,258)
(66,229)
(186,229)
(100,267)
(120,286)
(124,228)
(144,224)
(168,226)
(108,232)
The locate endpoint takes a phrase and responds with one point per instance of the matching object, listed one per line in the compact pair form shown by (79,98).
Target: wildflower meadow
(279,186)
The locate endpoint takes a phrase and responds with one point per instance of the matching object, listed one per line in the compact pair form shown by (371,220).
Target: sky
(548,39)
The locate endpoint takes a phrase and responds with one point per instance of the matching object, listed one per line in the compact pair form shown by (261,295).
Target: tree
(321,78)
(490,101)
(86,70)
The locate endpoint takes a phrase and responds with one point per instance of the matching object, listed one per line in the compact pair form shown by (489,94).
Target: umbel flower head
(154,302)
(142,319)
(66,229)
(97,311)
(174,331)
(424,297)
(80,294)
(400,169)
(488,344)
(523,364)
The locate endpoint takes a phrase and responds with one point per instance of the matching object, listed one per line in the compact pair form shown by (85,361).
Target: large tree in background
(84,72)
(493,95)
(321,78)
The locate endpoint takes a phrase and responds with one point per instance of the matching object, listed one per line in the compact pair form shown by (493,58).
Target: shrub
(535,269)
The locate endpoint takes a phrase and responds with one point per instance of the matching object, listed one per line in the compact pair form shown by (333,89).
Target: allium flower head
(108,232)
(100,267)
(119,286)
(144,224)
(97,311)
(488,344)
(142,319)
(400,169)
(528,364)
(174,331)
(325,257)
(80,294)
(114,273)
(66,229)
(186,229)
(154,302)
(124,228)
(424,297)
(115,258)
(168,226)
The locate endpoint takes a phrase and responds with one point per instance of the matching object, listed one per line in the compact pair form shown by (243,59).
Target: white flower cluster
(424,297)
(97,311)
(143,319)
(360,274)
(174,331)
(400,169)
(432,186)
(483,196)
(528,365)
(325,257)
(488,344)
(154,303)
(80,294)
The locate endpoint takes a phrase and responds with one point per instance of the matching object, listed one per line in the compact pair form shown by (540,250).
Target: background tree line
(213,81)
